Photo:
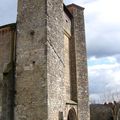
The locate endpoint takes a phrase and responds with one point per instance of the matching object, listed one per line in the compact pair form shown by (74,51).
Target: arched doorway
(72,114)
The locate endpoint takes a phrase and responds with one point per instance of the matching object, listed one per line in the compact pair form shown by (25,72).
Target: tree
(115,108)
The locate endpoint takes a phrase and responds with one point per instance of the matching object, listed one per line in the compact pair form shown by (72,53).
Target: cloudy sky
(102,22)
(103,46)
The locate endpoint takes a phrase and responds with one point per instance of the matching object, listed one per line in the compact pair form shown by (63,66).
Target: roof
(12,25)
(77,6)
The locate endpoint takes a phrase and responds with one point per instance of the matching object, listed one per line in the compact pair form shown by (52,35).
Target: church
(43,63)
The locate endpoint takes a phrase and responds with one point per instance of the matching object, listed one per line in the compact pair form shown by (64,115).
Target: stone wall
(50,67)
(31,61)
(39,60)
(40,50)
(67,37)
(78,33)
(5,47)
(7,59)
(55,58)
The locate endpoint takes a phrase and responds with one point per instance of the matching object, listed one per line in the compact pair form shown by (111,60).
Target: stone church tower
(43,66)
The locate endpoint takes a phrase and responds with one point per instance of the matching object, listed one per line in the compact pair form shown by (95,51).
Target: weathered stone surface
(67,24)
(31,61)
(78,34)
(7,37)
(50,70)
(55,58)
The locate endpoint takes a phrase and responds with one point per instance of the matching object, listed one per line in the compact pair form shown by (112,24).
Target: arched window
(72,114)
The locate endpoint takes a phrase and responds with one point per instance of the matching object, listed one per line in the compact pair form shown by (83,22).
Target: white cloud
(104,77)
(105,10)
(103,27)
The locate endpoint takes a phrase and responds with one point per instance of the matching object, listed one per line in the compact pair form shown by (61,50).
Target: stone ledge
(70,102)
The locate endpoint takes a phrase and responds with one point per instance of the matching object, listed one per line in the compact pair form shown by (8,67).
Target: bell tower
(46,75)
(43,63)
(39,60)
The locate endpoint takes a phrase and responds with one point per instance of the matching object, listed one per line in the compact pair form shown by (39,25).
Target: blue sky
(102,23)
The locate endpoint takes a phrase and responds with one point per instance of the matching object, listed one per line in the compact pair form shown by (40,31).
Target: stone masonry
(7,60)
(43,65)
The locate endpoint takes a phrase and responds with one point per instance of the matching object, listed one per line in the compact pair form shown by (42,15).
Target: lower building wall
(7,40)
(55,85)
